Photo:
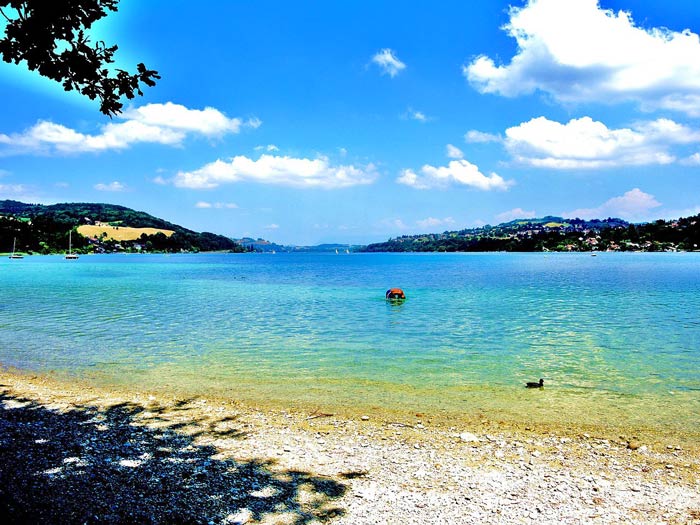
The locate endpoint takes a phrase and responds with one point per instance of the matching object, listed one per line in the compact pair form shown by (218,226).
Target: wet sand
(74,453)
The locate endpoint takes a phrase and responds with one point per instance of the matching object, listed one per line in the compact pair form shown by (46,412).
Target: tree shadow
(92,465)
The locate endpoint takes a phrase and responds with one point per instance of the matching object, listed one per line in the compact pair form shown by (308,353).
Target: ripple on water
(617,338)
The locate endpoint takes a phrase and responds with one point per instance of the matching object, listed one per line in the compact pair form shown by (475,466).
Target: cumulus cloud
(454,152)
(207,121)
(515,213)
(115,186)
(272,226)
(634,205)
(167,124)
(432,222)
(277,170)
(388,62)
(577,52)
(480,137)
(585,143)
(216,205)
(456,172)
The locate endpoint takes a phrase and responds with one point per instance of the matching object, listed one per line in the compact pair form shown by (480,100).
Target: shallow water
(616,337)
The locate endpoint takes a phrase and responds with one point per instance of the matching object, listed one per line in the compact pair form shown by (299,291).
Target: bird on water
(539,384)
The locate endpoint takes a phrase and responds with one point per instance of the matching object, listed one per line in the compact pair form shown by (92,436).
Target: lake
(616,337)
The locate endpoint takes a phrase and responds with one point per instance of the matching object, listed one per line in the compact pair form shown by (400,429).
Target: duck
(532,384)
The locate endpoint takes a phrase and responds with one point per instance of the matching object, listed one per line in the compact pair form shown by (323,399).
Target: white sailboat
(15,255)
(70,254)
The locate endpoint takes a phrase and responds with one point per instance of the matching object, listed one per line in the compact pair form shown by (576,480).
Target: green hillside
(555,234)
(40,228)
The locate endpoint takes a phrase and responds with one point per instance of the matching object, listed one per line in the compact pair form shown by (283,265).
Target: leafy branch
(50,36)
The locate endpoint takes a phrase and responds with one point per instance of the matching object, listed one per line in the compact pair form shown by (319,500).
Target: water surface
(616,337)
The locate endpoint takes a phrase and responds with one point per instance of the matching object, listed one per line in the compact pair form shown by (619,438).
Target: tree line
(36,228)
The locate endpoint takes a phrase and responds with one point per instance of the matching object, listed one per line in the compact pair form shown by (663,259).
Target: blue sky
(310,122)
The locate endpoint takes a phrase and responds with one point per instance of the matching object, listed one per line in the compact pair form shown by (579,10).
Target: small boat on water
(14,255)
(395,294)
(70,255)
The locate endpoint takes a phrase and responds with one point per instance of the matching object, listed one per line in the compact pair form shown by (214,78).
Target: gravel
(75,454)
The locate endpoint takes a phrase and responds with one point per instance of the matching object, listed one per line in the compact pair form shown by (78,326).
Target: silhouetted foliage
(50,36)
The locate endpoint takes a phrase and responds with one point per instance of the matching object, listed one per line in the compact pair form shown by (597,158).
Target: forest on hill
(555,234)
(44,229)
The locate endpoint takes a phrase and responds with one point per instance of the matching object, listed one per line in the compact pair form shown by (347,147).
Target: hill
(263,246)
(44,229)
(118,233)
(555,234)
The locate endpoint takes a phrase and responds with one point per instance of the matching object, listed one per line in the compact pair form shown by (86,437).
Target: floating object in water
(539,384)
(395,294)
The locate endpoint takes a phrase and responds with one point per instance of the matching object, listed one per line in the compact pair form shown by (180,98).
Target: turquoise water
(616,337)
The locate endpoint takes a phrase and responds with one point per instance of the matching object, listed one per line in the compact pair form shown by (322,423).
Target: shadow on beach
(91,465)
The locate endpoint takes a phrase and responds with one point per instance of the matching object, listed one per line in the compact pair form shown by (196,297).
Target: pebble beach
(74,453)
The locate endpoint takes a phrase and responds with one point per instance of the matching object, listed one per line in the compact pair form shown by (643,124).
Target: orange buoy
(395,293)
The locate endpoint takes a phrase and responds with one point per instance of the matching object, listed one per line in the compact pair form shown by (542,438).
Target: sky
(353,122)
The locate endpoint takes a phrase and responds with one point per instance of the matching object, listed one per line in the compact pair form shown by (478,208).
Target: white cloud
(692,160)
(432,222)
(585,143)
(396,224)
(480,137)
(677,214)
(634,205)
(416,115)
(253,122)
(216,205)
(207,121)
(272,226)
(457,171)
(7,190)
(277,170)
(115,186)
(454,152)
(576,51)
(269,147)
(388,62)
(515,213)
(167,124)
(159,179)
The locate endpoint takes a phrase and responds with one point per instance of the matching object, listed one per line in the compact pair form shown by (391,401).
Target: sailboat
(15,255)
(70,254)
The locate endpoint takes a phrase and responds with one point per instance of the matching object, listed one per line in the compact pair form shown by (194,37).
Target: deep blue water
(616,337)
